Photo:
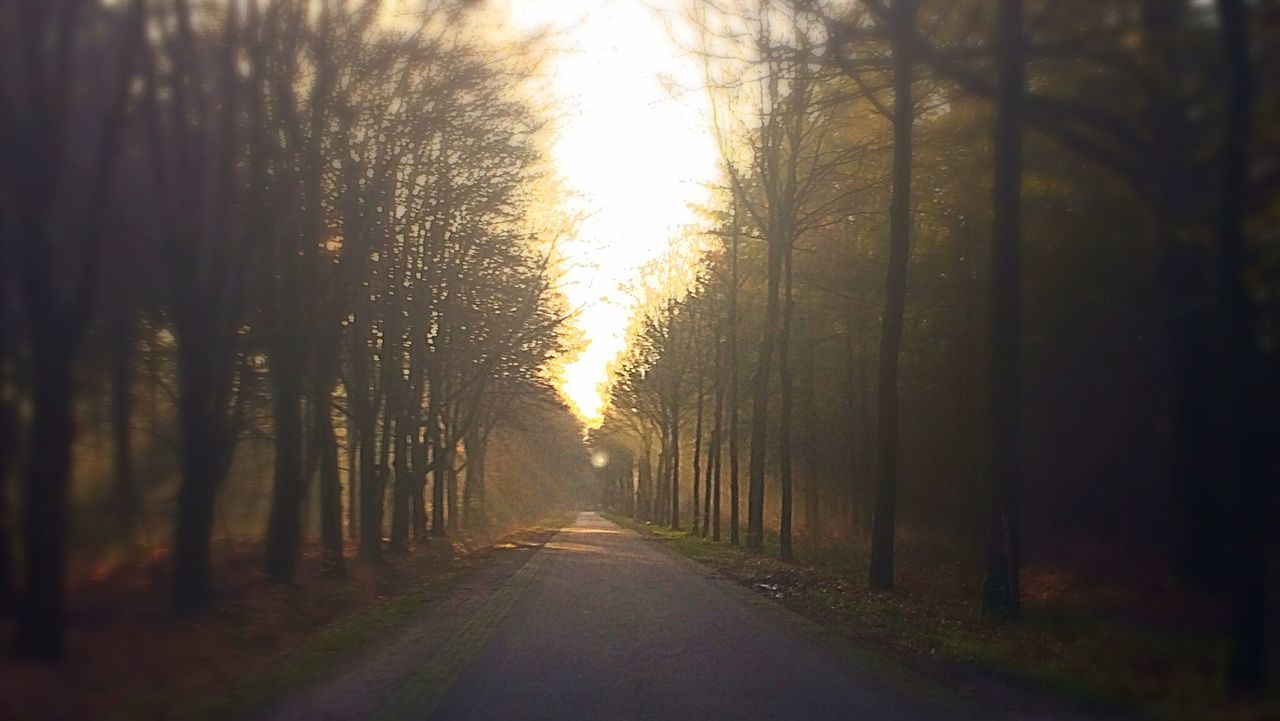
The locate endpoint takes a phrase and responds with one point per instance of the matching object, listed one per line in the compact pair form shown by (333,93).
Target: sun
(636,158)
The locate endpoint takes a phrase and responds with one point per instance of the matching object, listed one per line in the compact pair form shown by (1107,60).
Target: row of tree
(871,319)
(309,218)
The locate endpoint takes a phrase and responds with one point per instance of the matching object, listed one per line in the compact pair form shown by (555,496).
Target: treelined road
(613,627)
(603,624)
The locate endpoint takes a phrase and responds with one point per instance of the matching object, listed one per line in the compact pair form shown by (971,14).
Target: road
(602,624)
(613,627)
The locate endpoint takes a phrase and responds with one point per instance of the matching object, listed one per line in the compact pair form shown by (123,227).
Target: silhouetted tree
(64,98)
(1000,590)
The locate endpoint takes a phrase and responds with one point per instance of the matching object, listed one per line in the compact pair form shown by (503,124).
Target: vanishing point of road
(602,624)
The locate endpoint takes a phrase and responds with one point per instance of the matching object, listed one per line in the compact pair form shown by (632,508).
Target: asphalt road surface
(611,626)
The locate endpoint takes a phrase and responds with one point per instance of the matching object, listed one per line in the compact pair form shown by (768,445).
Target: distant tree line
(1002,273)
(308,218)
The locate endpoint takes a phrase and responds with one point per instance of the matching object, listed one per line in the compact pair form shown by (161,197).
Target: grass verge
(322,653)
(1073,647)
(129,657)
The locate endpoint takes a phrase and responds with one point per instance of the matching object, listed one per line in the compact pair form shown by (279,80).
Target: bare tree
(1000,587)
(64,99)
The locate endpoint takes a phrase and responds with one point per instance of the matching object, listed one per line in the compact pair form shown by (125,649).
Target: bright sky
(635,155)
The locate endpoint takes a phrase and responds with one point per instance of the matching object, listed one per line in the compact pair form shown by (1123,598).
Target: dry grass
(128,656)
(1099,643)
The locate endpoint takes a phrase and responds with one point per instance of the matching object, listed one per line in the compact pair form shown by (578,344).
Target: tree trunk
(400,492)
(902,16)
(1202,558)
(734,502)
(370,484)
(418,489)
(438,464)
(713,445)
(42,605)
(126,495)
(353,474)
(760,402)
(451,485)
(785,550)
(205,449)
(9,384)
(712,451)
(475,450)
(450,458)
(481,488)
(662,499)
(421,532)
(857,480)
(643,509)
(1000,586)
(866,458)
(6,519)
(365,403)
(1245,468)
(675,468)
(385,445)
(284,527)
(718,476)
(812,517)
(468,491)
(330,481)
(697,451)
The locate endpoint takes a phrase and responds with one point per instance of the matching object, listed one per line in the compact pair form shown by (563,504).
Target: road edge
(891,672)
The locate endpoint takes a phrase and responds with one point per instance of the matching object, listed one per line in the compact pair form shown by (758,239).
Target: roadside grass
(321,653)
(315,656)
(1080,642)
(131,658)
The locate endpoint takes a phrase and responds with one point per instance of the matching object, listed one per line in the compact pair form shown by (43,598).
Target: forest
(985,282)
(271,272)
(978,324)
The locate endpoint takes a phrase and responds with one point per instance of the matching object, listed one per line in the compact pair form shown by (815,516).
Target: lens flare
(599,459)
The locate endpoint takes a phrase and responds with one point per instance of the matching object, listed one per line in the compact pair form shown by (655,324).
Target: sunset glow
(634,153)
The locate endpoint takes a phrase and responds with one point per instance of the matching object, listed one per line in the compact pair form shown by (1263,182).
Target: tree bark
(284,527)
(1001,598)
(901,21)
(734,491)
(675,468)
(418,490)
(662,498)
(401,490)
(353,474)
(1245,467)
(812,514)
(717,474)
(1186,288)
(451,483)
(10,377)
(330,480)
(866,460)
(474,447)
(785,549)
(644,508)
(6,518)
(760,402)
(42,604)
(697,448)
(711,498)
(126,494)
(438,460)
(853,407)
(371,481)
(205,451)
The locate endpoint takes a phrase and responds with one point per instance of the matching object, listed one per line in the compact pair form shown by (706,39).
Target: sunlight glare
(599,459)
(635,155)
